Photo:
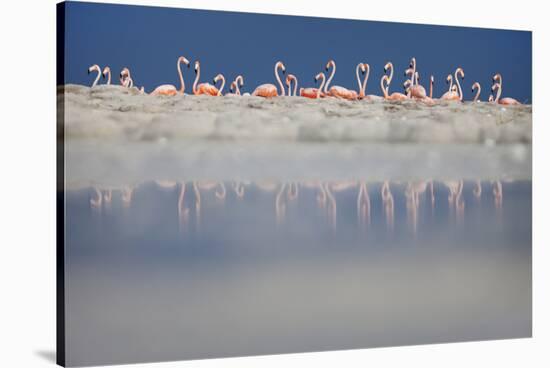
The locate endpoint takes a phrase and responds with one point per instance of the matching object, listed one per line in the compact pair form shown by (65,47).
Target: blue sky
(149,40)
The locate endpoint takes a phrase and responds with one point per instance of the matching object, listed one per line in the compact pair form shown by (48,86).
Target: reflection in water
(326,198)
(195,269)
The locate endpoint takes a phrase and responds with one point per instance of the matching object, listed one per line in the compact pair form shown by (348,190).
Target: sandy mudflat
(113,134)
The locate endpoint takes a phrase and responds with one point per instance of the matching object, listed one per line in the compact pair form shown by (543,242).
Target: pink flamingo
(206,88)
(126,78)
(270,90)
(504,100)
(416,90)
(234,86)
(289,79)
(451,94)
(107,72)
(314,92)
(364,86)
(476,86)
(396,96)
(95,68)
(169,89)
(337,91)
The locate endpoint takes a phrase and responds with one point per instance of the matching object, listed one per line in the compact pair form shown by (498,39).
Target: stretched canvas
(236,184)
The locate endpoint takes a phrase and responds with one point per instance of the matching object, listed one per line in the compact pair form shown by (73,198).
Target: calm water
(166,271)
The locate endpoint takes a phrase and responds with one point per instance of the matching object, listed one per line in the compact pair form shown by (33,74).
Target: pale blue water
(159,277)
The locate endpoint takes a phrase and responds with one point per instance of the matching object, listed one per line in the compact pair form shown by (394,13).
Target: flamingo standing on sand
(107,72)
(270,90)
(95,68)
(476,86)
(205,88)
(364,86)
(169,89)
(314,92)
(451,94)
(396,96)
(416,90)
(289,79)
(504,100)
(337,91)
(234,86)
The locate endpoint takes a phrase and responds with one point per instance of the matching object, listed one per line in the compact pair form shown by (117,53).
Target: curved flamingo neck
(384,89)
(458,84)
(499,90)
(391,76)
(108,72)
(359,79)
(197,79)
(478,87)
(182,83)
(237,90)
(223,84)
(322,85)
(413,75)
(295,85)
(279,79)
(431,87)
(96,81)
(367,67)
(333,64)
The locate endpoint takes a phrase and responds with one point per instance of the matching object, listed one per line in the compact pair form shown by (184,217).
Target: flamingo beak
(188,65)
(88,71)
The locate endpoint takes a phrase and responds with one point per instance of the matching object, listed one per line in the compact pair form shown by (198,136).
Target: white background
(27,184)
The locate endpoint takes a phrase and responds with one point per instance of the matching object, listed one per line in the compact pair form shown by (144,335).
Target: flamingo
(461,72)
(205,88)
(396,96)
(409,87)
(289,79)
(416,90)
(234,86)
(270,90)
(95,68)
(504,100)
(107,72)
(363,205)
(388,204)
(364,86)
(126,78)
(476,86)
(314,92)
(431,86)
(451,94)
(169,89)
(337,91)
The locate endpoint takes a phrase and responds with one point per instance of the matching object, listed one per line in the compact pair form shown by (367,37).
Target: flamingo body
(266,90)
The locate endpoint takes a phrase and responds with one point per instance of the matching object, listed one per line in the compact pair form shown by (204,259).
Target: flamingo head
(367,67)
(363,68)
(449,79)
(94,67)
(330,62)
(217,78)
(497,76)
(125,73)
(197,66)
(106,70)
(460,71)
(454,88)
(431,78)
(183,59)
(280,65)
(232,86)
(318,76)
(412,64)
(409,71)
(475,85)
(240,80)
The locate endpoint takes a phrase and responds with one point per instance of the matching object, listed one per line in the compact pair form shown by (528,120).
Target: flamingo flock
(413,90)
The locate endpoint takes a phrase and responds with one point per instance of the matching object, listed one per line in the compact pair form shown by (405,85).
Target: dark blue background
(149,40)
